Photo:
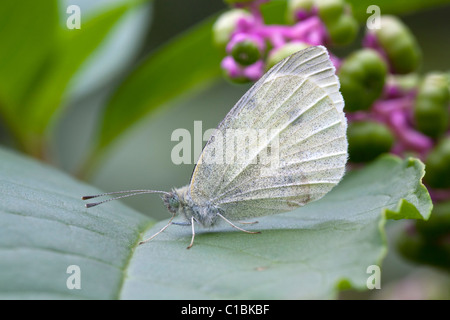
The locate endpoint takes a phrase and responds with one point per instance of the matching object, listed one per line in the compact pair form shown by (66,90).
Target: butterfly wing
(296,112)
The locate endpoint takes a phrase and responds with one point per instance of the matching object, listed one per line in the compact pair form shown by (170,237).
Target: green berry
(330,10)
(426,242)
(341,25)
(431,109)
(362,76)
(399,44)
(438,165)
(225,25)
(344,30)
(367,140)
(439,223)
(246,53)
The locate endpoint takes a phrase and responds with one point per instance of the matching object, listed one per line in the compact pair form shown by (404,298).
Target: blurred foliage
(362,76)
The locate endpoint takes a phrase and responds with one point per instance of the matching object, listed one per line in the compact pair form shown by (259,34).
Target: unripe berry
(362,76)
(431,108)
(399,44)
(226,24)
(343,31)
(341,25)
(367,140)
(438,165)
(330,10)
(246,52)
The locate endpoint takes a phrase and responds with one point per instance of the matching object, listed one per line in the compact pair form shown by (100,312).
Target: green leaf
(45,229)
(185,63)
(309,253)
(312,252)
(23,48)
(73,48)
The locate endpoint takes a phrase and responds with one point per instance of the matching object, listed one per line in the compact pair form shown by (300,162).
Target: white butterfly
(298,102)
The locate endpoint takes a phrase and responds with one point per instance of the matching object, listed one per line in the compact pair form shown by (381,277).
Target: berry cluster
(390,107)
(252,47)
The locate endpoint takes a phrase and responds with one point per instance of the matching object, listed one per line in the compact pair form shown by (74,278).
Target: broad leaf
(44,229)
(309,253)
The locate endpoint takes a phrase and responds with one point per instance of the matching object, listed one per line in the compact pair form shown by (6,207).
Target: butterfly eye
(173,202)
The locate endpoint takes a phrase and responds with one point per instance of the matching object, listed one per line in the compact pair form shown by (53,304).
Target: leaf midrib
(148,226)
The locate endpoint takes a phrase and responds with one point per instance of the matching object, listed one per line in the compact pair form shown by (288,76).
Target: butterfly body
(180,203)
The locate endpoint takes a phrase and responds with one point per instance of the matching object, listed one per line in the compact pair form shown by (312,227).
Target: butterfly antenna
(129,194)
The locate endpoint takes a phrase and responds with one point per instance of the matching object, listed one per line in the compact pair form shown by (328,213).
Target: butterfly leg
(162,229)
(247,222)
(182,223)
(193,234)
(234,226)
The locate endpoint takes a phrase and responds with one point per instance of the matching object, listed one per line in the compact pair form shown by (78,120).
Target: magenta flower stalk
(254,71)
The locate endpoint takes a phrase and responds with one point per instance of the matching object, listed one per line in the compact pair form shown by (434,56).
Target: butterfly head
(171,201)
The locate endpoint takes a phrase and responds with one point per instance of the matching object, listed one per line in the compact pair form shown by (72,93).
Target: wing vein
(271,139)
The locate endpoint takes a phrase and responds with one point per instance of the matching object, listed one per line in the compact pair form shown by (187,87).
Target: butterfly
(298,107)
